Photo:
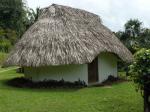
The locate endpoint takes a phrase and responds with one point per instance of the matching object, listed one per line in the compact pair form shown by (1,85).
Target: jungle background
(16,17)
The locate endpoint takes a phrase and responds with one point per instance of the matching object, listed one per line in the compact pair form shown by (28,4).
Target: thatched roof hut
(63,35)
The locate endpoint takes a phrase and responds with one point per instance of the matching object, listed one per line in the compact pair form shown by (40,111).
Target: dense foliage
(140,69)
(134,36)
(15,18)
(13,15)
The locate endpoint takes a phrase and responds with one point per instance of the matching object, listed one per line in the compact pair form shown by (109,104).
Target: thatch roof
(65,35)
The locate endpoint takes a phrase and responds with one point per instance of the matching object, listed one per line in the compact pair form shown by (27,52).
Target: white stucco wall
(107,65)
(67,72)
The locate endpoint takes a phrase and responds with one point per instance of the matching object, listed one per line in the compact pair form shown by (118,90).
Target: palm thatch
(65,35)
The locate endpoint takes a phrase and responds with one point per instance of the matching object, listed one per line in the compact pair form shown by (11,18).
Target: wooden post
(146,99)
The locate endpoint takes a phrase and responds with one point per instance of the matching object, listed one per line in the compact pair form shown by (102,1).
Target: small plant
(140,69)
(26,83)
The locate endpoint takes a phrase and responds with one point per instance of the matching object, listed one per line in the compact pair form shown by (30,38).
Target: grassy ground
(118,98)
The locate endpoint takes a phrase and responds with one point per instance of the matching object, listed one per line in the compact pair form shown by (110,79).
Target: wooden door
(93,71)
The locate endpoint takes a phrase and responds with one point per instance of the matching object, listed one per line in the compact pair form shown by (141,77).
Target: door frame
(93,76)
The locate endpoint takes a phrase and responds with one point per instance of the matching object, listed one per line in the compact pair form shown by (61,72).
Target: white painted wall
(67,72)
(107,65)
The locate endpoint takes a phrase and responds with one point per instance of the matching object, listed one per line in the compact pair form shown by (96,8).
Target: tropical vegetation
(15,18)
(140,69)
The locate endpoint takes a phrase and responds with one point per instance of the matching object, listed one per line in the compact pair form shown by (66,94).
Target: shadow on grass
(52,85)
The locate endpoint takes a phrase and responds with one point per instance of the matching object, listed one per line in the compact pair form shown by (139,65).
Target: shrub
(140,69)
(26,83)
(8,38)
(8,34)
(5,45)
(2,57)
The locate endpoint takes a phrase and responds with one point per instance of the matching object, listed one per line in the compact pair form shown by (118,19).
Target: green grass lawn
(119,98)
